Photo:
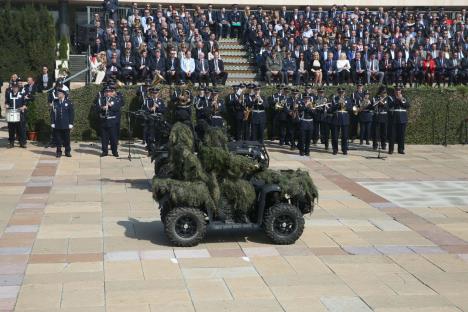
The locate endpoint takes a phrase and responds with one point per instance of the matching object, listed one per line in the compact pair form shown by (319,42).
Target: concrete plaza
(83,234)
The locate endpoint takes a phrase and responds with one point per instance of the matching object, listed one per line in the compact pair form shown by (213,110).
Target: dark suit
(329,71)
(128,68)
(222,75)
(159,65)
(143,67)
(355,67)
(399,120)
(399,70)
(202,69)
(40,83)
(172,70)
(441,69)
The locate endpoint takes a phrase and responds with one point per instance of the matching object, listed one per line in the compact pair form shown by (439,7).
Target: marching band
(297,119)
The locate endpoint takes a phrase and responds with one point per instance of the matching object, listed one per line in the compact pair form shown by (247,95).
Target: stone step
(240,67)
(234,53)
(233,40)
(231,82)
(231,47)
(241,75)
(228,60)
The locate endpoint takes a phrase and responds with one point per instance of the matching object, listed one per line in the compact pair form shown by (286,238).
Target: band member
(237,107)
(143,92)
(322,115)
(217,110)
(311,95)
(183,107)
(380,119)
(257,105)
(109,107)
(293,118)
(357,97)
(399,105)
(247,121)
(153,105)
(62,117)
(365,118)
(16,108)
(341,106)
(202,108)
(306,126)
(280,113)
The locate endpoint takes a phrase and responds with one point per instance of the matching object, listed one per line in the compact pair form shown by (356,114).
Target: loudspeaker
(86,34)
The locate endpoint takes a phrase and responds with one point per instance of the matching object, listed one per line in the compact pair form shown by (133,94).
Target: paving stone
(389,250)
(7,292)
(191,253)
(121,256)
(15,251)
(11,280)
(22,229)
(156,254)
(427,249)
(361,250)
(260,251)
(345,304)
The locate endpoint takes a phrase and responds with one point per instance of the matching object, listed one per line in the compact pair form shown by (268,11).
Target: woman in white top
(316,68)
(343,69)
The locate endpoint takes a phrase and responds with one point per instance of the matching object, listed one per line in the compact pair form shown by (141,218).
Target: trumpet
(341,104)
(280,105)
(215,105)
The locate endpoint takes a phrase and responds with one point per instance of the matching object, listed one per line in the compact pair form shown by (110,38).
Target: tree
(27,40)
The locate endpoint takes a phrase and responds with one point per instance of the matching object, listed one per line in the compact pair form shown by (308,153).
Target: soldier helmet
(341,90)
(321,90)
(382,89)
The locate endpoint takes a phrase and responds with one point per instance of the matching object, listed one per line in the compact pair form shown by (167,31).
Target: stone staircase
(237,63)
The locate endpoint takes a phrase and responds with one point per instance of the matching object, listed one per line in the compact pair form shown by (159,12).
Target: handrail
(72,76)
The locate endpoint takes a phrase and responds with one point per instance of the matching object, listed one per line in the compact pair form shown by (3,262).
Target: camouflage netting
(217,178)
(183,193)
(296,183)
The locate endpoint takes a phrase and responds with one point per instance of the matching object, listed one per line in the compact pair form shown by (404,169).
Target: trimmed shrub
(430,109)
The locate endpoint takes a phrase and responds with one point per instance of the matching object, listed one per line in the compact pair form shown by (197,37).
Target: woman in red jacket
(429,69)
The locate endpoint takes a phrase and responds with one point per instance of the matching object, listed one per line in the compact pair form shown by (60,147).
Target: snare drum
(13,115)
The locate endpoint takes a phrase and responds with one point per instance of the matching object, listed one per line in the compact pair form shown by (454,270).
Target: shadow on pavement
(141,184)
(153,231)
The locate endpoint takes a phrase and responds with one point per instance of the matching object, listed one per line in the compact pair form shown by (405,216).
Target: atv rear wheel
(184,226)
(283,223)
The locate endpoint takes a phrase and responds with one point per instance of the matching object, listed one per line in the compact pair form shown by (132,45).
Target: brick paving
(83,234)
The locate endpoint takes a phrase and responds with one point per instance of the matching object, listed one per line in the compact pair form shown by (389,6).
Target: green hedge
(27,40)
(428,112)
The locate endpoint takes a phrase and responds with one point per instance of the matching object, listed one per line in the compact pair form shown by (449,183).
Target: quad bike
(281,219)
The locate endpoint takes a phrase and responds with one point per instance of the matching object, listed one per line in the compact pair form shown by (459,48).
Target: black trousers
(336,131)
(257,131)
(398,136)
(316,131)
(306,134)
(109,135)
(353,127)
(293,128)
(17,129)
(282,126)
(364,131)
(325,128)
(379,133)
(238,125)
(62,138)
(221,77)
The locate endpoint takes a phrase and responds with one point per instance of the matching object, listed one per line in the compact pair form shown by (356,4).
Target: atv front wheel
(283,223)
(184,226)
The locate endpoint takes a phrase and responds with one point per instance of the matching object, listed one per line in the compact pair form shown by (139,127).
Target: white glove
(52,125)
(70,126)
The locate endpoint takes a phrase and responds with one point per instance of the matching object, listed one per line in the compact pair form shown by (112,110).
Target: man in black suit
(202,69)
(172,68)
(217,70)
(358,69)
(386,67)
(329,69)
(224,26)
(45,80)
(143,66)
(441,68)
(158,65)
(98,46)
(128,66)
(399,69)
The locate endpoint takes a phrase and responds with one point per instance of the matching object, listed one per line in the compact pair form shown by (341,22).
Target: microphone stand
(130,141)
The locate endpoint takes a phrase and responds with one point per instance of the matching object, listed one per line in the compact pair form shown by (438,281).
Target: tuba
(158,78)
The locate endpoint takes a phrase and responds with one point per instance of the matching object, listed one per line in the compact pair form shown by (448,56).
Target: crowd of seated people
(173,45)
(351,45)
(336,45)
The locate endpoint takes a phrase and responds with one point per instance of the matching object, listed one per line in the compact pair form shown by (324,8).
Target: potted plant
(32,116)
